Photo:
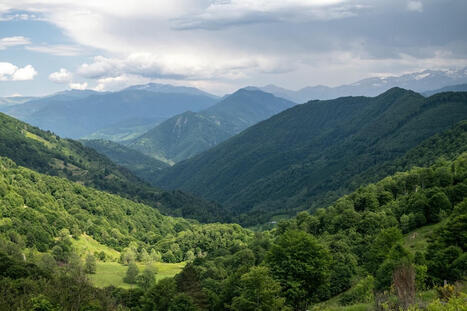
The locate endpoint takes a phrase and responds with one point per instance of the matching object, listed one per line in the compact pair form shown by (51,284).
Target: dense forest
(355,248)
(310,154)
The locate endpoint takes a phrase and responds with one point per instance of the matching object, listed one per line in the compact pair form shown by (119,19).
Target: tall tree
(301,264)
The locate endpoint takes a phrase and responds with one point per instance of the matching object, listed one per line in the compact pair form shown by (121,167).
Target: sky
(222,45)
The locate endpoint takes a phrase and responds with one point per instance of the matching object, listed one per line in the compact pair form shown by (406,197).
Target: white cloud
(13,41)
(416,6)
(217,43)
(10,72)
(220,14)
(61,76)
(181,66)
(26,73)
(78,86)
(59,49)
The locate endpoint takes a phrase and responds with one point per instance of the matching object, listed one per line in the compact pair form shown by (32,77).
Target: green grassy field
(112,273)
(417,240)
(87,245)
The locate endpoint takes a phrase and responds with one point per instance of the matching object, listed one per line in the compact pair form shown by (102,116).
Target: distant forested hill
(189,133)
(47,153)
(141,165)
(310,154)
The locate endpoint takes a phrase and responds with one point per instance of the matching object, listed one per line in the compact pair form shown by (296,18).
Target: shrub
(362,292)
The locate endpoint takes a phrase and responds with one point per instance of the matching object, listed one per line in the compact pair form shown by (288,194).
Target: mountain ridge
(423,81)
(76,114)
(279,163)
(190,133)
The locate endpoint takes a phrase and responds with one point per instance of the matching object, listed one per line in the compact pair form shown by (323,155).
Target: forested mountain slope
(188,134)
(348,251)
(287,162)
(79,116)
(49,154)
(141,165)
(36,207)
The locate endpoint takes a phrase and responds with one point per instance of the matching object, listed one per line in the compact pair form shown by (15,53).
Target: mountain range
(307,155)
(76,114)
(449,88)
(190,133)
(423,81)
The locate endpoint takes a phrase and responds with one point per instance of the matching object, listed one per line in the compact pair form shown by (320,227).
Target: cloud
(239,42)
(17,16)
(62,76)
(221,14)
(416,6)
(78,86)
(179,66)
(59,49)
(13,41)
(10,72)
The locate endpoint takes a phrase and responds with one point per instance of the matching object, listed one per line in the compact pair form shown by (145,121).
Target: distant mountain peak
(168,88)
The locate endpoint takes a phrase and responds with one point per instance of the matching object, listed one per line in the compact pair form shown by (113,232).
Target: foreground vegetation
(374,248)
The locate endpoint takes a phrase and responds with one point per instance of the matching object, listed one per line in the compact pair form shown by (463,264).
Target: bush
(131,274)
(362,292)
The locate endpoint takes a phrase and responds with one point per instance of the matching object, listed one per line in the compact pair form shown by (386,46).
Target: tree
(144,256)
(437,204)
(380,247)
(90,264)
(41,303)
(128,256)
(160,296)
(189,255)
(259,292)
(155,256)
(182,302)
(188,282)
(301,264)
(146,279)
(131,273)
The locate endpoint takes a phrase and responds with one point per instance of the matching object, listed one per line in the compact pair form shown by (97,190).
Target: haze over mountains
(76,114)
(423,81)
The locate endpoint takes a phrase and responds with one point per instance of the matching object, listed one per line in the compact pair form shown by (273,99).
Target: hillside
(74,116)
(141,165)
(49,154)
(188,134)
(38,207)
(285,163)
